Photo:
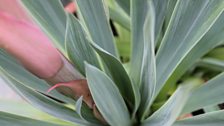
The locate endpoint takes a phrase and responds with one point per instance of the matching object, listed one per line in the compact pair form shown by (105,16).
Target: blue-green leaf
(120,78)
(169,112)
(208,119)
(78,46)
(94,15)
(107,97)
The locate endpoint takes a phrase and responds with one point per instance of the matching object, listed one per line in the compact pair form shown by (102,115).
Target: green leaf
(190,21)
(139,10)
(217,53)
(160,13)
(125,5)
(120,78)
(120,17)
(211,63)
(50,16)
(148,76)
(94,15)
(208,119)
(7,119)
(78,46)
(201,98)
(12,67)
(44,103)
(169,112)
(107,97)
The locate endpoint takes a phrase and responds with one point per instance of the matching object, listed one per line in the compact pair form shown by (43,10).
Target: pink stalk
(23,40)
(12,7)
(79,88)
(28,44)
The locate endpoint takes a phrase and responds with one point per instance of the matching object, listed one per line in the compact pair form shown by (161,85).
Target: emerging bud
(71,7)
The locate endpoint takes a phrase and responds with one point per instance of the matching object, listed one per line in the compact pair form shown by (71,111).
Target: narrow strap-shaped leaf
(50,15)
(148,76)
(169,112)
(190,21)
(210,93)
(210,40)
(208,119)
(7,119)
(119,17)
(107,97)
(44,103)
(78,46)
(139,10)
(78,107)
(11,66)
(211,63)
(120,77)
(125,5)
(95,17)
(160,12)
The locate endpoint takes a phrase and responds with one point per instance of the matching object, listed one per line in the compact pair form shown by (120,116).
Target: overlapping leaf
(120,78)
(7,119)
(78,46)
(50,15)
(189,23)
(148,80)
(210,93)
(208,119)
(107,97)
(94,15)
(168,113)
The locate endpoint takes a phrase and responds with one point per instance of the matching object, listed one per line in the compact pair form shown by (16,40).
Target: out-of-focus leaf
(169,112)
(125,5)
(78,46)
(95,16)
(119,17)
(217,53)
(107,97)
(50,15)
(211,63)
(190,21)
(148,76)
(7,119)
(210,93)
(139,10)
(208,119)
(120,77)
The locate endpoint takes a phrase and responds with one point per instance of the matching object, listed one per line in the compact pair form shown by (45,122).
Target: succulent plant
(148,71)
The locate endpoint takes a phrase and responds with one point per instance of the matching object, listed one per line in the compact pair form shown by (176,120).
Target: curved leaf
(107,97)
(208,119)
(44,103)
(148,79)
(78,46)
(201,98)
(190,21)
(120,78)
(7,119)
(95,17)
(169,112)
